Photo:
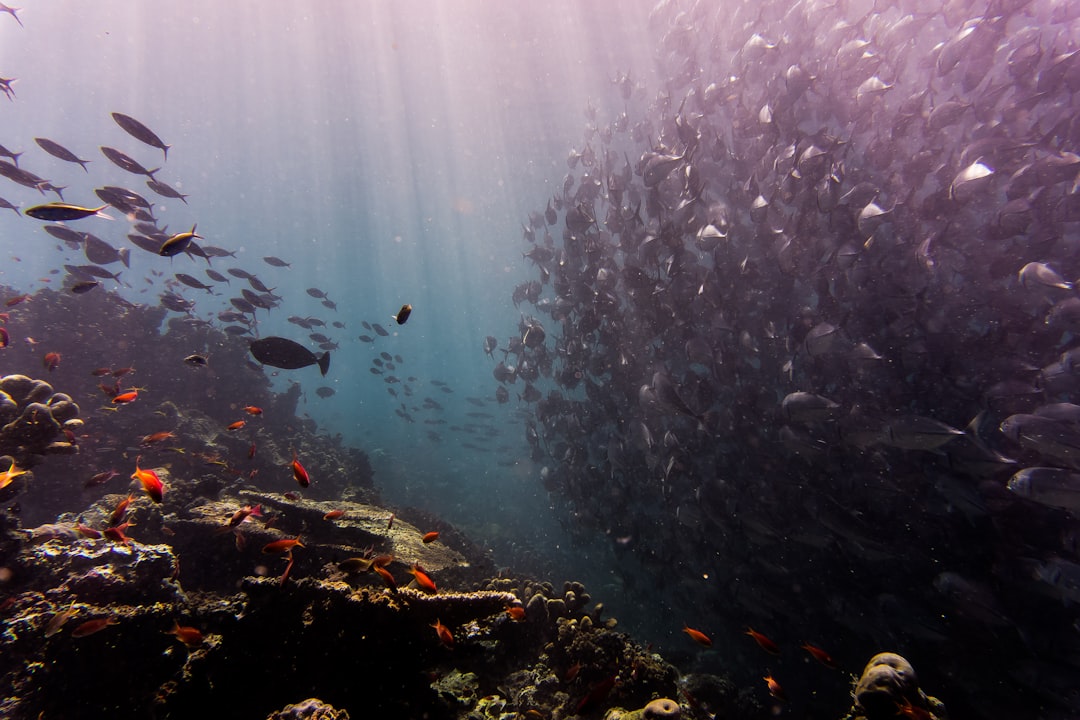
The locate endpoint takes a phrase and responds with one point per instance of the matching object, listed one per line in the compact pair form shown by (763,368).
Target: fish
(8,476)
(324,392)
(193,282)
(117,533)
(386,575)
(166,191)
(59,151)
(101,478)
(516,613)
(299,473)
(120,510)
(62,212)
(252,410)
(286,354)
(243,513)
(84,286)
(443,633)
(190,636)
(93,626)
(1049,486)
(430,537)
(196,360)
(125,398)
(124,162)
(157,437)
(820,655)
(403,314)
(178,243)
(151,483)
(774,688)
(763,642)
(355,565)
(422,579)
(140,132)
(275,261)
(51,361)
(236,425)
(57,621)
(334,515)
(697,636)
(281,546)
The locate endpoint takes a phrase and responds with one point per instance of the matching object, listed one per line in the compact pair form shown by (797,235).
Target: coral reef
(32,418)
(659,709)
(888,688)
(310,709)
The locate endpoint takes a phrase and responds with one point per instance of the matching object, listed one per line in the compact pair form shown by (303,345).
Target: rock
(310,709)
(659,709)
(31,415)
(887,685)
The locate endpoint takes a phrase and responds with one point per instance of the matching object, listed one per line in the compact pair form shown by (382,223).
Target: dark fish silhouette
(166,191)
(140,132)
(124,162)
(59,151)
(286,354)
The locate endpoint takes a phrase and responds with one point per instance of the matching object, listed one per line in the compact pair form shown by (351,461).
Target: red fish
(774,688)
(51,361)
(243,513)
(186,634)
(119,511)
(124,398)
(423,579)
(157,437)
(116,534)
(92,626)
(12,302)
(151,483)
(284,545)
(430,537)
(251,450)
(5,339)
(387,577)
(101,372)
(288,569)
(820,655)
(88,532)
(252,410)
(333,515)
(697,636)
(299,472)
(237,425)
(445,636)
(766,644)
(516,612)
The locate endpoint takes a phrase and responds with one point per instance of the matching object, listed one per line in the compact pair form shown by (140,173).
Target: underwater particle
(697,636)
(444,634)
(403,314)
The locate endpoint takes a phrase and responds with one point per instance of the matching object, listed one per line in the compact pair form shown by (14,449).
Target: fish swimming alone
(286,354)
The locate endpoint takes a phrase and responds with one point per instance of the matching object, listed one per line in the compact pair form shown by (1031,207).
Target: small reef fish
(151,483)
(386,576)
(403,314)
(119,511)
(93,626)
(697,636)
(516,612)
(333,515)
(422,579)
(284,545)
(117,534)
(765,643)
(125,398)
(820,655)
(430,537)
(445,636)
(61,212)
(299,473)
(186,634)
(9,475)
(252,410)
(237,425)
(774,688)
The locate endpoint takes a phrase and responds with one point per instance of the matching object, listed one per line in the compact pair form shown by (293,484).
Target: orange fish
(8,476)
(766,644)
(697,636)
(151,483)
(904,708)
(516,612)
(88,532)
(423,579)
(774,688)
(285,575)
(124,398)
(299,472)
(430,537)
(188,635)
(280,546)
(92,626)
(51,361)
(445,637)
(251,450)
(101,372)
(387,577)
(242,514)
(157,437)
(252,410)
(820,655)
(333,515)
(237,425)
(12,302)
(119,510)
(116,534)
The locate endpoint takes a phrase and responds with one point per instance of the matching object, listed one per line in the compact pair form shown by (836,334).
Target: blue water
(389,151)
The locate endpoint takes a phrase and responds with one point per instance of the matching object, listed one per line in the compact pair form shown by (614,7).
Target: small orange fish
(188,635)
(8,476)
(697,636)
(51,361)
(12,302)
(387,577)
(423,579)
(333,515)
(116,534)
(157,437)
(88,532)
(92,626)
(445,636)
(119,510)
(516,612)
(101,372)
(124,398)
(820,655)
(252,410)
(242,514)
(430,537)
(284,545)
(774,688)
(151,483)
(285,575)
(766,644)
(299,473)
(237,425)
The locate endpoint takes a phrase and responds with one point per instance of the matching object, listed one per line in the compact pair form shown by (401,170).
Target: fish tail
(324,362)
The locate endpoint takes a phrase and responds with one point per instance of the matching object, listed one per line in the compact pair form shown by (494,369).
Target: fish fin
(324,362)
